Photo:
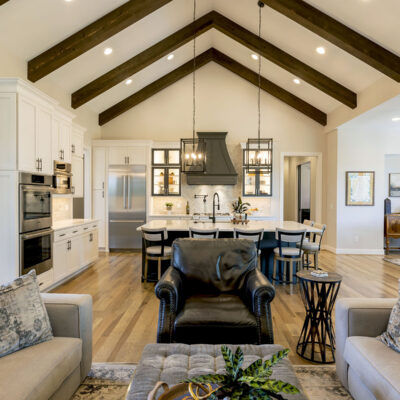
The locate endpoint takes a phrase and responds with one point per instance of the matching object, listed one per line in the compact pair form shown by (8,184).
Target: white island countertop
(184,225)
(70,223)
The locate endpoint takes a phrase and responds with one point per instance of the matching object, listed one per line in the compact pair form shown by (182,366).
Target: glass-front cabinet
(166,172)
(257,183)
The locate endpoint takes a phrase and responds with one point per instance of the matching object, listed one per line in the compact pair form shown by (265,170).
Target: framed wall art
(394,185)
(360,188)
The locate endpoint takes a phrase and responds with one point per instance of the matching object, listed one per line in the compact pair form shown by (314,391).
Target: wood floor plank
(125,311)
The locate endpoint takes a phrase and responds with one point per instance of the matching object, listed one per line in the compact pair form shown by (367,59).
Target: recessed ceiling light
(108,51)
(297,81)
(396,119)
(170,57)
(68,1)
(254,56)
(128,81)
(320,50)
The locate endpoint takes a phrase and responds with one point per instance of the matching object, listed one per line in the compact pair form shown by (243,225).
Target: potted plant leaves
(169,206)
(239,209)
(253,382)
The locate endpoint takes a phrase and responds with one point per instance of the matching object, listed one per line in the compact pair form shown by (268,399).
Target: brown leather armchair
(213,293)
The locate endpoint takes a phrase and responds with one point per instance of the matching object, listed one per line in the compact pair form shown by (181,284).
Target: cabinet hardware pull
(63,234)
(103,185)
(128,160)
(75,231)
(41,164)
(41,283)
(85,229)
(73,149)
(73,189)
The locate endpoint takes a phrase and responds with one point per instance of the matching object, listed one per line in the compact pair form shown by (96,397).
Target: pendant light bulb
(193,156)
(200,156)
(187,156)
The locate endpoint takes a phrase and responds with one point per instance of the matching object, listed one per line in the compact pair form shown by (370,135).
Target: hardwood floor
(125,311)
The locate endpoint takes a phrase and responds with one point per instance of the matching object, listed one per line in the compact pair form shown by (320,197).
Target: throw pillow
(23,317)
(392,335)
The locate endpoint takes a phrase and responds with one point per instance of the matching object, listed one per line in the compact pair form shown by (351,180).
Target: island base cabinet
(60,260)
(90,247)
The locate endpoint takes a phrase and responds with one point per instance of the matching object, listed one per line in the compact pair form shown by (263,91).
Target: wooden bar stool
(155,248)
(255,235)
(313,246)
(198,233)
(286,254)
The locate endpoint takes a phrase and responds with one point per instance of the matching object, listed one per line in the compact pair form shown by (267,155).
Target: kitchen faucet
(216,195)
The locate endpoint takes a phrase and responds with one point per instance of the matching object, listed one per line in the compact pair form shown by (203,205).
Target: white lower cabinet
(73,249)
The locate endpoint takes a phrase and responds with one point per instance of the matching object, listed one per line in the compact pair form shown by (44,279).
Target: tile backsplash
(62,208)
(227,194)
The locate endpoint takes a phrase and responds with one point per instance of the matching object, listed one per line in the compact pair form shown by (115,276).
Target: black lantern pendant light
(258,152)
(193,150)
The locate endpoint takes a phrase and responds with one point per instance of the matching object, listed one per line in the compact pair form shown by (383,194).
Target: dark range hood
(219,169)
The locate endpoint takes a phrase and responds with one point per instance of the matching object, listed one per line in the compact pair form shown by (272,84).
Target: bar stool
(255,235)
(313,246)
(155,248)
(288,254)
(198,233)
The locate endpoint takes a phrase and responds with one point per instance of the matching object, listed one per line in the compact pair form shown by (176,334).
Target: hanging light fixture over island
(193,150)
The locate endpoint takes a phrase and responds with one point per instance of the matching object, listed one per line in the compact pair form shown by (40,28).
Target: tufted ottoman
(172,363)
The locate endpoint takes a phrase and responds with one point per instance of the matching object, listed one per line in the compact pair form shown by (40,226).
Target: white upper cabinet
(77,176)
(43,139)
(27,159)
(77,141)
(34,130)
(99,168)
(127,156)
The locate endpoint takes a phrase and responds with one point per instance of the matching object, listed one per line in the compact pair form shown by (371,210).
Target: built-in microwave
(62,179)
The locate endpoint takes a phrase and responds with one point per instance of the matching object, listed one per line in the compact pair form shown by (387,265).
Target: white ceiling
(28,27)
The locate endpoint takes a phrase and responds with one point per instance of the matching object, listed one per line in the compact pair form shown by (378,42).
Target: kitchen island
(180,228)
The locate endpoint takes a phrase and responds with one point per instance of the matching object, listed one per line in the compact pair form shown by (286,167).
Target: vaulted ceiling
(138,35)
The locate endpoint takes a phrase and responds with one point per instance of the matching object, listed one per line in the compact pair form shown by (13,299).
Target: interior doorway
(301,188)
(304,191)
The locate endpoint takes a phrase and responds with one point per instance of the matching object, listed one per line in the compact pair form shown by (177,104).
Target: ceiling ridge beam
(154,87)
(3,2)
(91,36)
(340,35)
(226,62)
(286,61)
(270,87)
(141,60)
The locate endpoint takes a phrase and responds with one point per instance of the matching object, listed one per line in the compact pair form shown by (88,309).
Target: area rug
(392,260)
(110,381)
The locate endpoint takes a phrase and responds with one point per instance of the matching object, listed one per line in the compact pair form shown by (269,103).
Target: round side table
(317,338)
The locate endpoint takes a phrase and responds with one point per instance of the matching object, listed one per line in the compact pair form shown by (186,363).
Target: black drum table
(317,338)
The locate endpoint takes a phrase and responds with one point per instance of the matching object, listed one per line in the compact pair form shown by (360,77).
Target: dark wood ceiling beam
(340,35)
(90,36)
(270,87)
(141,60)
(3,2)
(154,87)
(286,61)
(226,62)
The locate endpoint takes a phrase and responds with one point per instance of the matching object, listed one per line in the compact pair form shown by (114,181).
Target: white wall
(12,66)
(225,102)
(392,165)
(363,145)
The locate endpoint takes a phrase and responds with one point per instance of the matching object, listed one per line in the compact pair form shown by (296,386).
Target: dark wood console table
(392,230)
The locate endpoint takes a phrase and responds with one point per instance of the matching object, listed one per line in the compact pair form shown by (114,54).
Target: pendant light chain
(259,81)
(194,76)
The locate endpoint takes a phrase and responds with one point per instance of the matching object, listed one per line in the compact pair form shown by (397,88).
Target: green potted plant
(239,208)
(169,206)
(252,382)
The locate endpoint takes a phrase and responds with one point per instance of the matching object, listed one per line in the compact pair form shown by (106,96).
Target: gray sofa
(53,369)
(366,367)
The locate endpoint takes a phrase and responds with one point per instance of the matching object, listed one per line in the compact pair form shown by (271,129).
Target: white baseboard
(375,252)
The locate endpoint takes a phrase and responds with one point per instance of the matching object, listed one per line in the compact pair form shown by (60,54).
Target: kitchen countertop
(184,225)
(70,223)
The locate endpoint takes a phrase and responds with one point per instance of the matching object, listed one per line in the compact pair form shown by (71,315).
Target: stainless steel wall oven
(35,220)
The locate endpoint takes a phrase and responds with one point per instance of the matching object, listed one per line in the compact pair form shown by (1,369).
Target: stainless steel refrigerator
(126,205)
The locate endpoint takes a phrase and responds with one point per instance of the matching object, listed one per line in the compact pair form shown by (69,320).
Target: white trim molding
(366,252)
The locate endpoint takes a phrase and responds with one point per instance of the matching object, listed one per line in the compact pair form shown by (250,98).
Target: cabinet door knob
(73,189)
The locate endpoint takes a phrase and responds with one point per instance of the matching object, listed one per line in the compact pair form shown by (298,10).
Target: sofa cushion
(392,335)
(36,372)
(23,317)
(215,319)
(377,365)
